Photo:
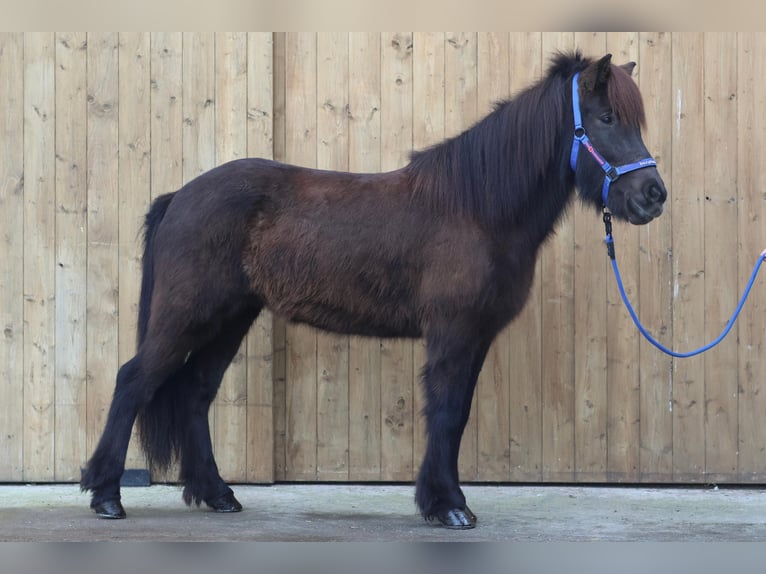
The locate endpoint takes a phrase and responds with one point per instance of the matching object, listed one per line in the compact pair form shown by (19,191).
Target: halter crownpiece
(580,137)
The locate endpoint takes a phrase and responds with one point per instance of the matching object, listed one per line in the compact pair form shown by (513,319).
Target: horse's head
(611,163)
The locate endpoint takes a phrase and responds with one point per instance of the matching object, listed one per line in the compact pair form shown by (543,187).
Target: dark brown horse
(443,249)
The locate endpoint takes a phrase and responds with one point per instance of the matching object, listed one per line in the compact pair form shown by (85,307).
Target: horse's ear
(629,67)
(596,75)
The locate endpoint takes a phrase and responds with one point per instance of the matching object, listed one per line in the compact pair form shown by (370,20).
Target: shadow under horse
(443,248)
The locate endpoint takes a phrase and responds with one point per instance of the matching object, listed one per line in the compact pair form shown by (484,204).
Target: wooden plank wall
(93,126)
(103,123)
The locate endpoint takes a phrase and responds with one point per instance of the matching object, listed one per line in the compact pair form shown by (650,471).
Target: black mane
(507,157)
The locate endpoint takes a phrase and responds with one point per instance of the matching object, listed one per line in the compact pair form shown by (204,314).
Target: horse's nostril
(656,192)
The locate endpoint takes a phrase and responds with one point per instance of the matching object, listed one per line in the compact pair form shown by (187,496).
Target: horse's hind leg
(199,472)
(449,379)
(137,380)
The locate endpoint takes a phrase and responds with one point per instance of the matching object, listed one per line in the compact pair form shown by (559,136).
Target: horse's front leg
(449,379)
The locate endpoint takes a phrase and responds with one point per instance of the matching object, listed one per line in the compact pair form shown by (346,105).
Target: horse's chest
(507,288)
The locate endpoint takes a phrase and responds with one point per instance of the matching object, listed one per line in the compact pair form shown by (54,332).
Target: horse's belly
(337,286)
(371,322)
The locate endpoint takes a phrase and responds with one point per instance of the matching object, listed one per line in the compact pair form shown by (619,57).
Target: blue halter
(580,137)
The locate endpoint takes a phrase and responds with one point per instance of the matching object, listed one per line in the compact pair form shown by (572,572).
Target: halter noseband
(580,137)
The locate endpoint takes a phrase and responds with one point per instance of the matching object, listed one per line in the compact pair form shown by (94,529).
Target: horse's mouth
(641,214)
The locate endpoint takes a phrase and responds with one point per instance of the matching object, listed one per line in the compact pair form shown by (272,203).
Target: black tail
(151,222)
(161,422)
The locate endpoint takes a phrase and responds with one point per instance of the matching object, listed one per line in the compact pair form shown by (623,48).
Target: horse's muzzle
(648,204)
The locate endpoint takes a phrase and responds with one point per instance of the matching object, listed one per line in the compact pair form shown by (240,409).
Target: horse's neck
(546,201)
(542,149)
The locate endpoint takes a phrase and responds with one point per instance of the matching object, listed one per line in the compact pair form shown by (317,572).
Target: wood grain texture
(279,343)
(751,157)
(364,392)
(460,112)
(655,270)
(166,132)
(260,352)
(166,112)
(558,361)
(590,320)
(198,129)
(492,390)
(428,128)
(102,307)
(332,350)
(687,183)
(525,333)
(301,341)
(622,366)
(71,256)
(12,257)
(396,356)
(39,256)
(230,405)
(134,192)
(720,218)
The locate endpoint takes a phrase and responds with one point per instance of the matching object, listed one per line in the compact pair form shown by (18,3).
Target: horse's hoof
(109,509)
(458,519)
(225,503)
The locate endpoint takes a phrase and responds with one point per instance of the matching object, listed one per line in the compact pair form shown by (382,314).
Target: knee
(445,420)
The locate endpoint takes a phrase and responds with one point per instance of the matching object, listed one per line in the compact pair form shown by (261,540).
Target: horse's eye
(608,119)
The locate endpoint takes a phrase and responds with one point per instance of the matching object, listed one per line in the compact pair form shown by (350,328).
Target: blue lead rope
(611,174)
(644,332)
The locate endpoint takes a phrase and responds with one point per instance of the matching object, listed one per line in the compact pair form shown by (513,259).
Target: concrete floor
(375,513)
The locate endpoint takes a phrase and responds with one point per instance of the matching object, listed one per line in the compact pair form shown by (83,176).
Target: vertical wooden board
(364,353)
(332,350)
(301,341)
(39,256)
(230,406)
(102,307)
(751,329)
(460,112)
(396,355)
(301,417)
(557,258)
(71,256)
(427,129)
(279,367)
(260,422)
(688,256)
(590,334)
(134,137)
(622,365)
(492,390)
(655,268)
(198,93)
(12,256)
(198,111)
(166,113)
(166,84)
(260,141)
(720,218)
(525,333)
